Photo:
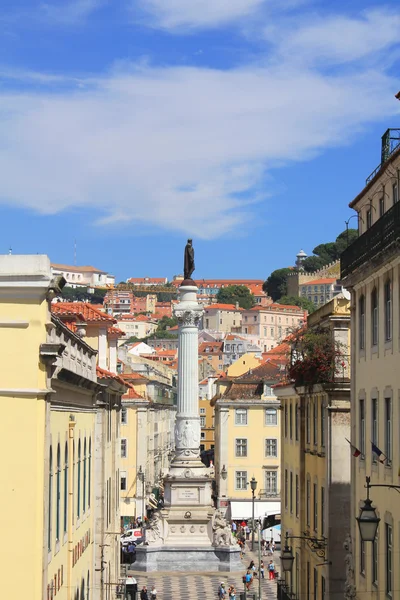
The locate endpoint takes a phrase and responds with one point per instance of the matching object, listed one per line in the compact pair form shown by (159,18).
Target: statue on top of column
(188,267)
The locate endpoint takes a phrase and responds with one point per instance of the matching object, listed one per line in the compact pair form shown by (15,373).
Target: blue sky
(246,124)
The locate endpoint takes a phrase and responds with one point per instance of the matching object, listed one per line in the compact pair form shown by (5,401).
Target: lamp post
(141,478)
(287,557)
(253,485)
(224,473)
(347,227)
(368,521)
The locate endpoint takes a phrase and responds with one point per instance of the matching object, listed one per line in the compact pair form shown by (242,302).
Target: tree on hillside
(304,303)
(276,284)
(166,322)
(236,293)
(327,253)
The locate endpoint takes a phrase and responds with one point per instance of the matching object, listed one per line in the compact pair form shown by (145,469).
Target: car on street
(131,535)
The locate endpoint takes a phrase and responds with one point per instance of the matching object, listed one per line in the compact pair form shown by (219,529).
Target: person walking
(131,551)
(143,594)
(247,532)
(232,592)
(271,569)
(222,591)
(153,593)
(248,579)
(262,569)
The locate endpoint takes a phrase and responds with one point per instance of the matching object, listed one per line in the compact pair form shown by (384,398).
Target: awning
(243,509)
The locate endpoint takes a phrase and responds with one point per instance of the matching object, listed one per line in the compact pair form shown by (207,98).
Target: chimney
(237,305)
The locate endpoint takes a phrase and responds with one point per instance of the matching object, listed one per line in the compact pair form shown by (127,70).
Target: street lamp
(368,521)
(357,216)
(287,557)
(253,485)
(224,473)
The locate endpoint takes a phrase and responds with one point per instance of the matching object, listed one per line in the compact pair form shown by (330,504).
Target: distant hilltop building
(83,276)
(319,287)
(300,258)
(147,281)
(209,288)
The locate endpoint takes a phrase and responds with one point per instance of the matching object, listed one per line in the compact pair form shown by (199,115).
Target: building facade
(271,324)
(83,276)
(315,466)
(370,270)
(222,317)
(247,443)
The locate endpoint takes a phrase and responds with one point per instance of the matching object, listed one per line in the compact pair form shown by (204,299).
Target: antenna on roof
(74,251)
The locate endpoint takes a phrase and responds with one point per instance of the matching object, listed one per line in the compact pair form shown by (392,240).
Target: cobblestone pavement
(204,586)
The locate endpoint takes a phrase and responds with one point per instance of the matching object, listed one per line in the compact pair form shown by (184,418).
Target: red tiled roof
(327,280)
(104,374)
(133,376)
(115,331)
(276,306)
(86,269)
(222,307)
(212,347)
(89,312)
(231,336)
(132,393)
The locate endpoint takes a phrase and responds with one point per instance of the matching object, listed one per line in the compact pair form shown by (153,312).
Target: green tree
(166,322)
(304,303)
(344,239)
(327,253)
(236,293)
(276,284)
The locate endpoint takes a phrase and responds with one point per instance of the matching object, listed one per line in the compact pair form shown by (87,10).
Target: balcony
(383,234)
(283,591)
(269,494)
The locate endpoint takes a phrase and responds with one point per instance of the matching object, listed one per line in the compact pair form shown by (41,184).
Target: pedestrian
(266,548)
(247,532)
(273,547)
(271,570)
(234,528)
(222,591)
(262,569)
(131,550)
(232,592)
(248,579)
(153,593)
(143,594)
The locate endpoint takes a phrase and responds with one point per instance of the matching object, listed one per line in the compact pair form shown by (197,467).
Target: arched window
(374,317)
(66,487)
(89,471)
(84,477)
(50,498)
(78,483)
(58,495)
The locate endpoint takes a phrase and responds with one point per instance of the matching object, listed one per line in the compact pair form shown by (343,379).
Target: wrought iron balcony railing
(269,494)
(283,591)
(382,234)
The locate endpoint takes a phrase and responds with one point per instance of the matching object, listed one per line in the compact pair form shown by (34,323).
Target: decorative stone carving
(173,529)
(189,318)
(183,529)
(154,530)
(349,586)
(202,529)
(187,434)
(192,529)
(222,533)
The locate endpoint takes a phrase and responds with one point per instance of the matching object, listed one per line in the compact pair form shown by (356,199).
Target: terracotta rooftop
(212,347)
(89,312)
(222,307)
(86,269)
(132,393)
(267,370)
(326,281)
(104,374)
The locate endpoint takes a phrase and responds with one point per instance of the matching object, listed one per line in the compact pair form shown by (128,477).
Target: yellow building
(247,443)
(315,458)
(48,441)
(370,270)
(206,424)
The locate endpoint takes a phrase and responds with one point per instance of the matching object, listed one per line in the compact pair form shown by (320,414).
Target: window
(267,390)
(362,428)
(124,448)
(315,583)
(241,416)
(124,415)
(388,310)
(308,503)
(323,588)
(374,426)
(50,499)
(315,490)
(297,423)
(291,421)
(202,421)
(374,317)
(375,561)
(78,483)
(241,447)
(308,580)
(271,482)
(58,495)
(291,492)
(388,430)
(123,481)
(241,480)
(286,489)
(271,448)
(361,322)
(322,424)
(286,420)
(84,477)
(202,411)
(369,218)
(272,332)
(202,435)
(322,511)
(66,487)
(362,557)
(395,193)
(389,559)
(297,495)
(381,206)
(308,422)
(271,416)
(315,421)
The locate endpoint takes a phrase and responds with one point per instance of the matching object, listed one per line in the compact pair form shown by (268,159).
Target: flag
(379,454)
(356,452)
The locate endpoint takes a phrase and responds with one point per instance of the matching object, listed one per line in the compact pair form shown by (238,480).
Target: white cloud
(184,149)
(335,39)
(68,12)
(176,14)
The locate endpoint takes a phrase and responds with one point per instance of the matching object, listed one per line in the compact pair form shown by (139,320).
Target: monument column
(187,426)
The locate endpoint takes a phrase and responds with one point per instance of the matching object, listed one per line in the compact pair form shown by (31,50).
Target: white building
(83,276)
